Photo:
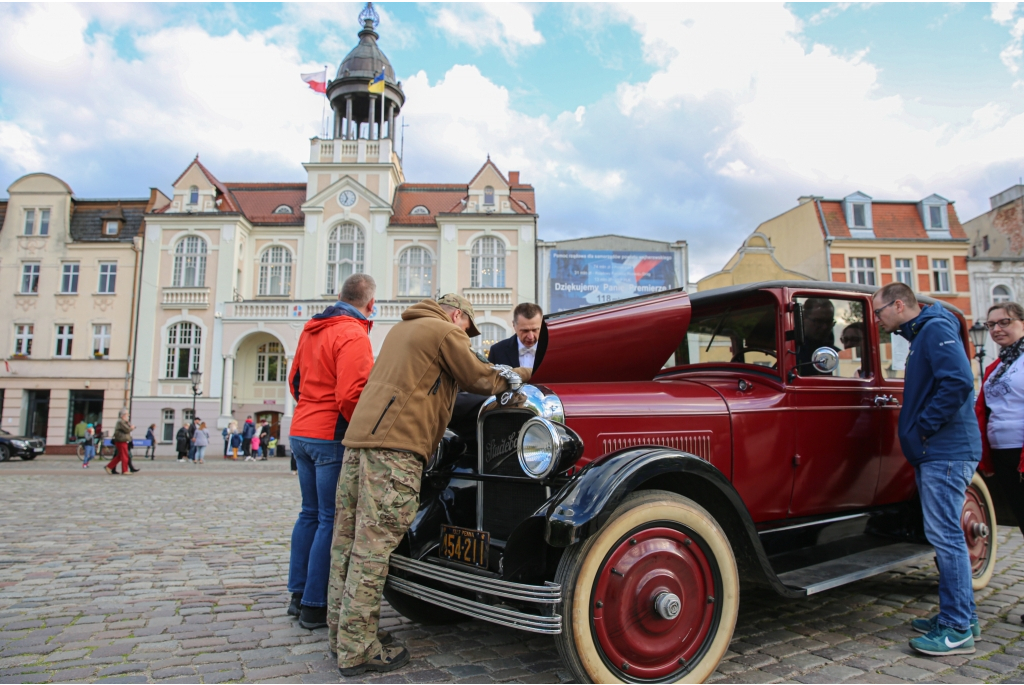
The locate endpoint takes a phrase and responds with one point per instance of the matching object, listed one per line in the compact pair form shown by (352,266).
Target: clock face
(347,198)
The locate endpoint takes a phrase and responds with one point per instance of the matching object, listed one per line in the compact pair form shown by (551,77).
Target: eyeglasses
(1001,323)
(879,310)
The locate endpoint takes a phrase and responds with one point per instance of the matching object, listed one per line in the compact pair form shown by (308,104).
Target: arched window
(419,210)
(415,273)
(1001,294)
(490,333)
(488,195)
(190,263)
(184,342)
(283,209)
(270,363)
(276,271)
(344,255)
(488,263)
(193,195)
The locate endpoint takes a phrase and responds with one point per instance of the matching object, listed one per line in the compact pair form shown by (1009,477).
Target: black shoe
(293,606)
(134,470)
(312,618)
(390,659)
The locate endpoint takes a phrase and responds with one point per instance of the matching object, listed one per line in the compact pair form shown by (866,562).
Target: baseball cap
(459,302)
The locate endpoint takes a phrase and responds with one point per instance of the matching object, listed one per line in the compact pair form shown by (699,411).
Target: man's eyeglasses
(1001,323)
(879,310)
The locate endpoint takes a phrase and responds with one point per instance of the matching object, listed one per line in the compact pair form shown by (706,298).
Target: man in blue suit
(521,348)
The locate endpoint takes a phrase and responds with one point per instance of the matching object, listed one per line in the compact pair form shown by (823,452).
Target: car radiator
(505,505)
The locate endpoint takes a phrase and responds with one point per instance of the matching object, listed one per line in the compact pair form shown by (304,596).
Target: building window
(940,276)
(30,221)
(490,333)
(188,416)
(23,334)
(984,242)
(1001,294)
(859,216)
(69,278)
(344,255)
(283,209)
(905,272)
(30,278)
(44,222)
(111,227)
(270,363)
(415,273)
(193,195)
(488,263)
(419,210)
(190,263)
(276,271)
(101,340)
(65,336)
(108,277)
(488,195)
(862,270)
(167,433)
(183,344)
(935,217)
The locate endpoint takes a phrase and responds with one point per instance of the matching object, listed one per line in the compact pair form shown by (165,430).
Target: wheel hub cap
(667,605)
(975,524)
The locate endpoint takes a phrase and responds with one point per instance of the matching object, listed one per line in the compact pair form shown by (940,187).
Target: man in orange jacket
(331,365)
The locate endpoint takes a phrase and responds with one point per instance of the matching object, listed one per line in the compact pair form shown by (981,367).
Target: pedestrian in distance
(202,441)
(399,420)
(940,438)
(151,437)
(226,434)
(183,442)
(192,439)
(248,430)
(1000,405)
(332,362)
(264,439)
(236,440)
(122,436)
(254,447)
(88,446)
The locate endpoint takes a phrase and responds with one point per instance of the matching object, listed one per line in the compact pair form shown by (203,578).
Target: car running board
(830,574)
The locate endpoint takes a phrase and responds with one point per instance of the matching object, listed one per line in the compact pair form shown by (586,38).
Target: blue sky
(693,122)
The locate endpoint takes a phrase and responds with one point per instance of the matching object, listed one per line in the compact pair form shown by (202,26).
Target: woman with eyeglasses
(1000,406)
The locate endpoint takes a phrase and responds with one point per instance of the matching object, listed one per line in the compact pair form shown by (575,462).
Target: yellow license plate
(465,545)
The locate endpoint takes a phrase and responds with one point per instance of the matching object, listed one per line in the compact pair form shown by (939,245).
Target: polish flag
(317,81)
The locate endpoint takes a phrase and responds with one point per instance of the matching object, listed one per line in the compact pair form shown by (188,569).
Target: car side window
(893,352)
(740,333)
(838,324)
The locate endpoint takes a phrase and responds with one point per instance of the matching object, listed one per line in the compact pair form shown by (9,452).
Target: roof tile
(892,220)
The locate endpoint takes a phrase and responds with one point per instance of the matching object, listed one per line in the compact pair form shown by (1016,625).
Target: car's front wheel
(652,596)
(5,452)
(978,520)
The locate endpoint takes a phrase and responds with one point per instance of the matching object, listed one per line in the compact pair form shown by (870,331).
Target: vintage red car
(670,450)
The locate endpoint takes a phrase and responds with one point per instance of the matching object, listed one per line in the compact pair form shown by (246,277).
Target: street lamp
(979,333)
(197,384)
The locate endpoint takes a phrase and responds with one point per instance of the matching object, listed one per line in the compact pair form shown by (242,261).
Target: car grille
(506,505)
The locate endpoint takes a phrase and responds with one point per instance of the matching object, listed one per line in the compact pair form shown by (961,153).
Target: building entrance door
(273,418)
(85,407)
(37,418)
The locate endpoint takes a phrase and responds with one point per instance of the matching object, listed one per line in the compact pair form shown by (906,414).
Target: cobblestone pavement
(178,574)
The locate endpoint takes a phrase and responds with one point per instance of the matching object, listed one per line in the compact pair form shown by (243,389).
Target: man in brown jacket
(400,419)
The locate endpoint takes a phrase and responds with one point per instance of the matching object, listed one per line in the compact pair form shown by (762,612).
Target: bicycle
(103,451)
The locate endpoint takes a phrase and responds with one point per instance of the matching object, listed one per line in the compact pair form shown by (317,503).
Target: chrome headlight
(21,444)
(546,447)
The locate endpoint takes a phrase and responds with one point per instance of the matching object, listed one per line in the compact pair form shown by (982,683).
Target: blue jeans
(942,486)
(319,463)
(90,453)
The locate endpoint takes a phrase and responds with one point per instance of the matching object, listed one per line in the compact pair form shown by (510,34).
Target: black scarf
(1008,355)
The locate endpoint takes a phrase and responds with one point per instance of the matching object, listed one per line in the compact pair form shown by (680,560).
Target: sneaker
(390,659)
(927,625)
(312,618)
(293,606)
(108,470)
(944,641)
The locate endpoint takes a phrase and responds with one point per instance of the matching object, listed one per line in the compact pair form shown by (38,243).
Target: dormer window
(111,227)
(488,195)
(283,209)
(419,210)
(934,216)
(857,208)
(193,195)
(859,216)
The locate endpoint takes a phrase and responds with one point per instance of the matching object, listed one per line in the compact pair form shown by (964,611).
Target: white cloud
(1002,12)
(20,147)
(507,26)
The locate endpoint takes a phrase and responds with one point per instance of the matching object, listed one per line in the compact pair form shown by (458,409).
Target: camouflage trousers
(378,495)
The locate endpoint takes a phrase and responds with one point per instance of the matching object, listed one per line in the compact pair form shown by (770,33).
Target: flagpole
(323,112)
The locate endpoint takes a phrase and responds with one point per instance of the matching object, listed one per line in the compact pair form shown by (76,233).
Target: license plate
(37,449)
(465,545)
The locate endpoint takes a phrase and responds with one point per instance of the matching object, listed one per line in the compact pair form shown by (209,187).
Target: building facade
(996,260)
(234,270)
(70,267)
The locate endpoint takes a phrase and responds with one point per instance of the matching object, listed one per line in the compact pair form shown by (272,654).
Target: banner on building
(580,278)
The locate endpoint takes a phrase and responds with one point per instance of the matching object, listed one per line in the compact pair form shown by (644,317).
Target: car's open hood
(628,340)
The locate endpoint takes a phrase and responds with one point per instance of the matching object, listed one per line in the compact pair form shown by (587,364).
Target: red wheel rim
(635,639)
(977,529)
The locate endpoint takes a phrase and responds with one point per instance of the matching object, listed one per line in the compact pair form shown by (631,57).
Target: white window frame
(193,195)
(183,338)
(932,211)
(339,268)
(490,333)
(101,339)
(69,273)
(109,224)
(489,196)
(862,270)
(65,337)
(108,278)
(265,353)
(487,262)
(942,277)
(854,207)
(30,278)
(30,222)
(1001,298)
(24,334)
(275,268)
(415,272)
(189,259)
(188,416)
(167,420)
(906,269)
(44,221)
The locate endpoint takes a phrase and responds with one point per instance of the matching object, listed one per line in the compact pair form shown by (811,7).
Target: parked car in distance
(671,454)
(20,446)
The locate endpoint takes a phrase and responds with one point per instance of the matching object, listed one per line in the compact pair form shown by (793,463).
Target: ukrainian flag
(377,84)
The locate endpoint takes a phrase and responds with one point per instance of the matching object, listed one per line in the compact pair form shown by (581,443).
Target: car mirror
(825,360)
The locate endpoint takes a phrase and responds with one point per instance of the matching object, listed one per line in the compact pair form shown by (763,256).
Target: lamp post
(197,384)
(979,333)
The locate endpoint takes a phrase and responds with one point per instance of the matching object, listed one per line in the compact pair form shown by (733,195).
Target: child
(236,444)
(255,444)
(272,447)
(88,445)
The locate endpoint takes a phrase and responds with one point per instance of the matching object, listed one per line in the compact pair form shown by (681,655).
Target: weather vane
(369,14)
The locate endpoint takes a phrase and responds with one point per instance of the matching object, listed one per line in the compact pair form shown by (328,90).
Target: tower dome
(357,112)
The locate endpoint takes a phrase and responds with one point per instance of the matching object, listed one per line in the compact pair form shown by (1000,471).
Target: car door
(833,416)
(895,474)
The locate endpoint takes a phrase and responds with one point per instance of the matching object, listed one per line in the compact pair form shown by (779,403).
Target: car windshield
(738,333)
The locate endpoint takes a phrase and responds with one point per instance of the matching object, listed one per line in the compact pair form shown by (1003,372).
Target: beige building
(69,267)
(234,270)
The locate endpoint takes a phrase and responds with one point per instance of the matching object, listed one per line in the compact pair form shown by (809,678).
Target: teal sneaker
(927,625)
(944,641)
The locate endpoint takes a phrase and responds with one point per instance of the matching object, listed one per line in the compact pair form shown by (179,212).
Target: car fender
(584,504)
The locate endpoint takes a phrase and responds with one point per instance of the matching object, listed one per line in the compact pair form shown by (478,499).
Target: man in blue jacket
(940,438)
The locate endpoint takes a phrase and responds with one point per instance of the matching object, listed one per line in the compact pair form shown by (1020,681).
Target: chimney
(513,178)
